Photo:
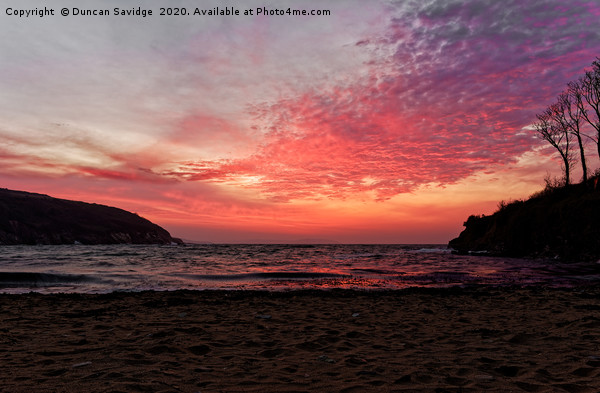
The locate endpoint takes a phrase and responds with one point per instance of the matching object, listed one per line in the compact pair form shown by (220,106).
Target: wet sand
(452,340)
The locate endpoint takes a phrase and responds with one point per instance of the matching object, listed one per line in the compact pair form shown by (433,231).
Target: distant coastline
(29,218)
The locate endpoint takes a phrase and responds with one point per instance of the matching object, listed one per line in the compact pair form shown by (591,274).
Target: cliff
(557,222)
(27,218)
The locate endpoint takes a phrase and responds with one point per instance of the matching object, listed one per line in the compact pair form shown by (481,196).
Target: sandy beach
(443,340)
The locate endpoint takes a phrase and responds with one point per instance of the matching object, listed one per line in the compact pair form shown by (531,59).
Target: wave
(378,271)
(444,250)
(261,276)
(28,279)
(441,277)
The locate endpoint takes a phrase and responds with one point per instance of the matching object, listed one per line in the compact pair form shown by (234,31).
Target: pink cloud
(139,174)
(464,80)
(210,131)
(336,145)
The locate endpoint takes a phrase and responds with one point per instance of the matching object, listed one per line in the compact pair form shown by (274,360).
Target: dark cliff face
(562,223)
(27,218)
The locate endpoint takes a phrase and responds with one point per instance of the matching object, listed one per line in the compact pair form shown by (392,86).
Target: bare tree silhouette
(550,128)
(575,115)
(570,116)
(588,100)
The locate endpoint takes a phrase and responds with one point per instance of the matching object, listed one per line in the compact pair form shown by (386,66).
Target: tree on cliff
(571,118)
(588,99)
(576,110)
(551,128)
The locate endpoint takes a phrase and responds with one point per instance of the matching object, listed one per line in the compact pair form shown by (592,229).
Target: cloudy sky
(383,122)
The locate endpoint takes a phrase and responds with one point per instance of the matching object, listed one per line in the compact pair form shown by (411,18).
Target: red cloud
(340,144)
(462,83)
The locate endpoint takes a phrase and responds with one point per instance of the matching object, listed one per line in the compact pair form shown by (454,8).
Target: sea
(270,267)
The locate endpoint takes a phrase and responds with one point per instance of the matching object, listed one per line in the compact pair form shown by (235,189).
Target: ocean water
(107,268)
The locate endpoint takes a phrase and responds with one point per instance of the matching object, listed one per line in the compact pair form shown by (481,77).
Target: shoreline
(533,339)
(568,285)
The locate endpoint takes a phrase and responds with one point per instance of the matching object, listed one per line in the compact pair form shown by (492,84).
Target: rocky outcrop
(558,222)
(27,218)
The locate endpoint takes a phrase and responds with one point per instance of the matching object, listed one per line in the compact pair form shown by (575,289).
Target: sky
(383,122)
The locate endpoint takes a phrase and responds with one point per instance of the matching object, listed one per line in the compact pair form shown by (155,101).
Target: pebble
(326,358)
